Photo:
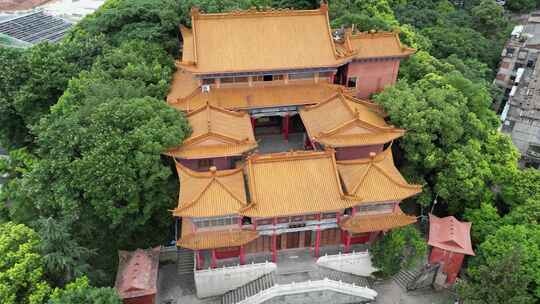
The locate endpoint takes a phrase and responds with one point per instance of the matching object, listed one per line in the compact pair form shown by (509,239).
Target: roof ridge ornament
(323,6)
(195,11)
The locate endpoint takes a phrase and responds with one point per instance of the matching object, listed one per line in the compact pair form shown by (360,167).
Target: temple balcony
(279,130)
(295,260)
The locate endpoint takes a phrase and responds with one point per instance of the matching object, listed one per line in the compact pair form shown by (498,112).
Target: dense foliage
(21,266)
(398,249)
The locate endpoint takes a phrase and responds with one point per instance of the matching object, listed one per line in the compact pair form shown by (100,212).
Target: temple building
(286,151)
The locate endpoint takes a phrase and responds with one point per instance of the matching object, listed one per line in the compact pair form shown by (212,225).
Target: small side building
(136,279)
(451,241)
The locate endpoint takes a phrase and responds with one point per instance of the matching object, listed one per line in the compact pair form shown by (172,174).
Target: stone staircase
(344,277)
(185,261)
(405,277)
(248,290)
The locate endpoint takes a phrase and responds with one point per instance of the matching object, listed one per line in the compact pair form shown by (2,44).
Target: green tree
(520,5)
(35,79)
(153,21)
(520,186)
(502,282)
(506,268)
(14,73)
(486,221)
(451,141)
(489,17)
(80,291)
(527,212)
(63,258)
(398,249)
(464,42)
(21,270)
(366,15)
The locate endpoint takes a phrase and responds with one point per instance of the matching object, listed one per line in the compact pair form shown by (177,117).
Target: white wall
(213,282)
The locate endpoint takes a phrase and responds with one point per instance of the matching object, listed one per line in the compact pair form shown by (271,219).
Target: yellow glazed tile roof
(343,121)
(216,133)
(258,96)
(292,183)
(376,222)
(375,179)
(258,41)
(374,45)
(183,85)
(212,193)
(216,239)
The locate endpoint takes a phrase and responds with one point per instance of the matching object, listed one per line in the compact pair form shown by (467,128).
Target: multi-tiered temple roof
(375,179)
(212,193)
(291,183)
(216,132)
(353,122)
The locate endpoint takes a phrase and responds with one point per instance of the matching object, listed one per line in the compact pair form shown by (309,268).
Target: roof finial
(372,155)
(195,12)
(324,6)
(212,170)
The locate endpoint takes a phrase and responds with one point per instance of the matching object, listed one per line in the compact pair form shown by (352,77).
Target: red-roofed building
(137,276)
(451,241)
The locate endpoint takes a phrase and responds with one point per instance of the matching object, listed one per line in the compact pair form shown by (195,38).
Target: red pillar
(253,122)
(213,264)
(347,241)
(242,256)
(317,240)
(274,247)
(286,127)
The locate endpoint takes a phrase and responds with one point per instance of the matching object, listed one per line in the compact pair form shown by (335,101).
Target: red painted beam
(213,264)
(242,256)
(274,248)
(317,240)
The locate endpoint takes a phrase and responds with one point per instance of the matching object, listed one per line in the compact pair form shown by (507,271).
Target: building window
(267,78)
(325,74)
(311,217)
(329,215)
(208,81)
(298,218)
(227,80)
(301,76)
(258,78)
(264,222)
(216,221)
(234,79)
(351,82)
(277,77)
(205,163)
(385,207)
(282,220)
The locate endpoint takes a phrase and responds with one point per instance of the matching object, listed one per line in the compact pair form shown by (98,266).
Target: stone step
(184,261)
(344,277)
(405,277)
(249,289)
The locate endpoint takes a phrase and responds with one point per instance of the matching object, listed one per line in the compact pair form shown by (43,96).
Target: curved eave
(357,140)
(212,151)
(217,239)
(376,222)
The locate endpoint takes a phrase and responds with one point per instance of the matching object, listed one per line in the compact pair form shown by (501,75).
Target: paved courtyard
(275,143)
(295,265)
